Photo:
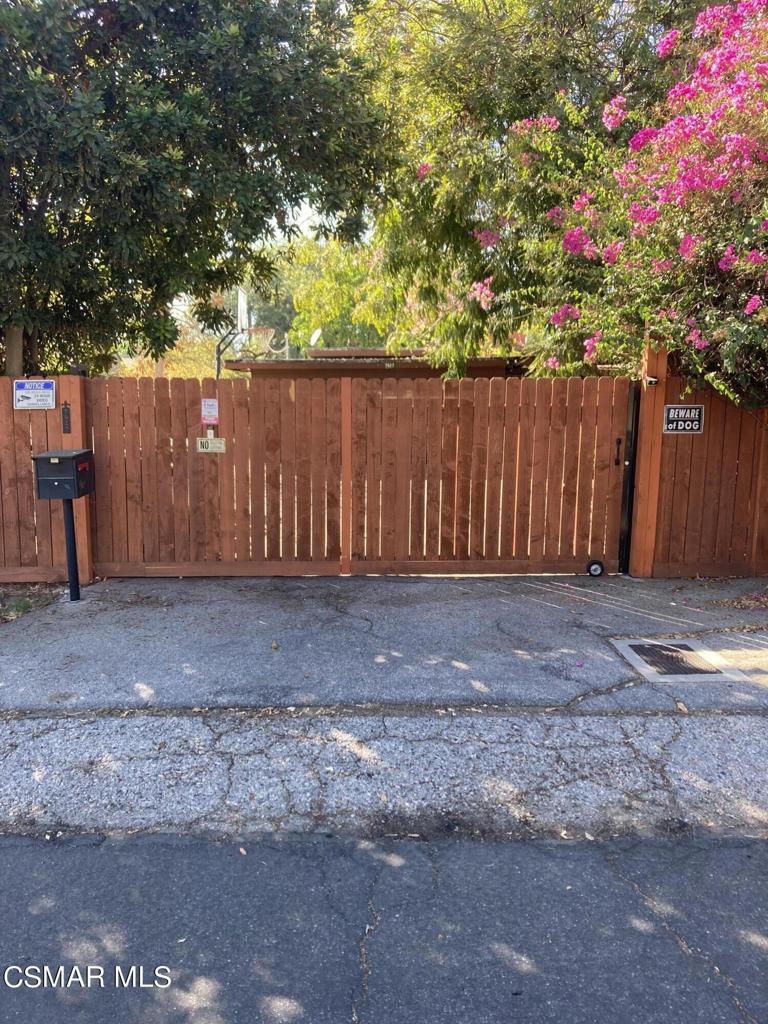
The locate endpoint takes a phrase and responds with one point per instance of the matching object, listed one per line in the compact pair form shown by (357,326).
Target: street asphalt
(312,930)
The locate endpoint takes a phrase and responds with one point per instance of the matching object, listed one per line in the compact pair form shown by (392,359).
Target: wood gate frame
(407,476)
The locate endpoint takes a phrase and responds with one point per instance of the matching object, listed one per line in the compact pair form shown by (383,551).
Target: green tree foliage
(335,287)
(458,80)
(147,149)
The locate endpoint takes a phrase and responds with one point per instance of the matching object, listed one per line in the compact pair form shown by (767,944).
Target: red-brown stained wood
(525,467)
(402,509)
(303,427)
(257,481)
(318,455)
(714,432)
(686,447)
(25,486)
(272,453)
(418,470)
(345,553)
(55,442)
(696,487)
(210,463)
(448,478)
(605,453)
(742,513)
(333,468)
(240,444)
(539,470)
(434,408)
(510,469)
(359,461)
(588,438)
(495,466)
(667,478)
(196,473)
(760,516)
(568,512)
(555,467)
(464,466)
(728,484)
(288,469)
(226,466)
(164,470)
(39,440)
(478,469)
(9,507)
(133,469)
(616,473)
(389,411)
(150,507)
(181,463)
(117,469)
(373,407)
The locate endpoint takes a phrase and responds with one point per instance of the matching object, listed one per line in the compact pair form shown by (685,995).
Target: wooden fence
(340,475)
(701,506)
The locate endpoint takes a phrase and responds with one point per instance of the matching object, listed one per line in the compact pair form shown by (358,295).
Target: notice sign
(683,419)
(211,444)
(210,412)
(34,394)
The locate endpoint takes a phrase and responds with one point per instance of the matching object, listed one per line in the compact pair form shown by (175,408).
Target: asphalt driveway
(523,641)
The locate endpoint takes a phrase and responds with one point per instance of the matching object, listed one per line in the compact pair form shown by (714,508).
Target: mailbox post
(66,475)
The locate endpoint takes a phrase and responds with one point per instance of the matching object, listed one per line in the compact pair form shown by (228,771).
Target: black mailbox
(64,474)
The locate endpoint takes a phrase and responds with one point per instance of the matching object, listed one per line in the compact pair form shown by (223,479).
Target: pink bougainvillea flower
(614,113)
(553,363)
(668,43)
(687,248)
(756,257)
(582,201)
(729,259)
(556,215)
(486,237)
(566,312)
(575,241)
(482,293)
(753,305)
(642,138)
(661,266)
(590,346)
(423,170)
(611,252)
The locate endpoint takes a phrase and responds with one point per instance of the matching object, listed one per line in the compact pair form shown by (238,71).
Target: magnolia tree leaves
(149,149)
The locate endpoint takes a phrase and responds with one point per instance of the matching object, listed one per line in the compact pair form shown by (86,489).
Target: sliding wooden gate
(325,477)
(486,476)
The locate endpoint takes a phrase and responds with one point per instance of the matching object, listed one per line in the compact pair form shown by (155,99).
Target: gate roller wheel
(595,568)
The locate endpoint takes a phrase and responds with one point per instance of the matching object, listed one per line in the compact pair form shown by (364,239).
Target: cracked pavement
(290,929)
(376,707)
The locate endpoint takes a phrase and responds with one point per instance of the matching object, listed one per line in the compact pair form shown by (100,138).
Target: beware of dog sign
(683,419)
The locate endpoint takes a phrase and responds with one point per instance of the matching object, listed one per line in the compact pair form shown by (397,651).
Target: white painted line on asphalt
(665,619)
(621,603)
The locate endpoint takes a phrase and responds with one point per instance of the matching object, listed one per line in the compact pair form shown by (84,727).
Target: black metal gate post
(628,486)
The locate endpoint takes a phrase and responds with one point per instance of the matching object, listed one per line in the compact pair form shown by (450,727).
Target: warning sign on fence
(683,419)
(34,394)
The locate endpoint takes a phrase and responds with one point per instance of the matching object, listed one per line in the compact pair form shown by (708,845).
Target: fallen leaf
(681,707)
(242,850)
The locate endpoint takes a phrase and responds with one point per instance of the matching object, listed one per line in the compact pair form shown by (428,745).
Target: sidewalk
(376,707)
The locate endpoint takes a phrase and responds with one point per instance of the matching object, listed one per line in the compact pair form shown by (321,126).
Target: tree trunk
(13,339)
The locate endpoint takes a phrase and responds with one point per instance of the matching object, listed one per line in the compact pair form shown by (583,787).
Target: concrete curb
(372,774)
